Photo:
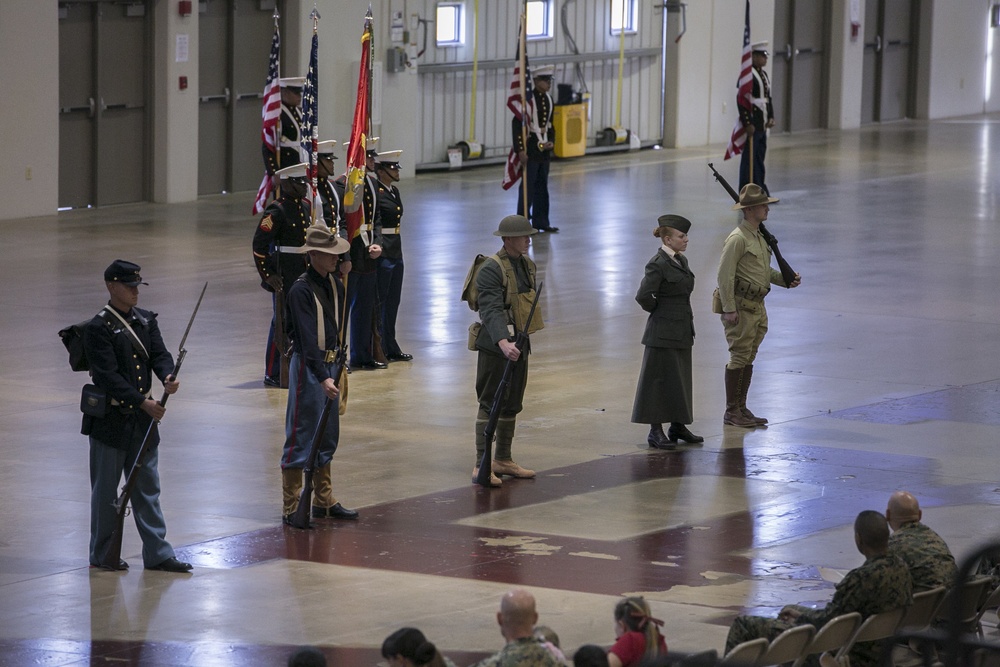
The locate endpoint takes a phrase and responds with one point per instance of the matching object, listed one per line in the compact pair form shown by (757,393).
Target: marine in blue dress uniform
(390,265)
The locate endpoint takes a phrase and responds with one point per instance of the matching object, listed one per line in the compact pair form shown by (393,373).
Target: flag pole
(276,189)
(525,118)
(313,185)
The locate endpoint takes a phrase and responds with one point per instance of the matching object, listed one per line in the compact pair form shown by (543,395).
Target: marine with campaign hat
(284,223)
(390,264)
(315,307)
(744,279)
(757,120)
(534,147)
(290,138)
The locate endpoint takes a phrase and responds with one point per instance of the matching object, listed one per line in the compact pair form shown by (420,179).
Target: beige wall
(29,107)
(175,111)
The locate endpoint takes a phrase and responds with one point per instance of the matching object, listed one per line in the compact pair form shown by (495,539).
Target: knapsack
(72,338)
(470,292)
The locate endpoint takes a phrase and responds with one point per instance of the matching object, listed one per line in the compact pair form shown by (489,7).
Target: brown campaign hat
(321,239)
(752,195)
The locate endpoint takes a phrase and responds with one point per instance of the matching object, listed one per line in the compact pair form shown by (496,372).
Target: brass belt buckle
(329,356)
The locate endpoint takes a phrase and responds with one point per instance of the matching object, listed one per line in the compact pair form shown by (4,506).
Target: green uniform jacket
(926,554)
(492,310)
(745,256)
(665,293)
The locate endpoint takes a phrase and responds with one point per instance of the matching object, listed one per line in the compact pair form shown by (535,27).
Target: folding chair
(837,632)
(788,646)
(971,595)
(923,610)
(992,600)
(875,627)
(707,658)
(745,654)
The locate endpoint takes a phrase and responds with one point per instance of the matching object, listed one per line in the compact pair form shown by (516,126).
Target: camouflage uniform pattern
(525,652)
(926,554)
(881,584)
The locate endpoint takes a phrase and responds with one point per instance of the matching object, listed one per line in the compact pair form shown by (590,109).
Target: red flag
(744,93)
(354,187)
(270,114)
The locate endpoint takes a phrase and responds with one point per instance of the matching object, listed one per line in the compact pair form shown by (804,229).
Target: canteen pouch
(716,302)
(94,401)
(474,330)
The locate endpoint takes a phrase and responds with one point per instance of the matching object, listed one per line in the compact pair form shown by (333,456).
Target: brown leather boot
(747,375)
(734,415)
(291,487)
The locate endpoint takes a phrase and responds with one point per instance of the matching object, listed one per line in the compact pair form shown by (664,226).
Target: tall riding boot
(734,415)
(481,445)
(291,487)
(503,464)
(658,439)
(322,491)
(747,375)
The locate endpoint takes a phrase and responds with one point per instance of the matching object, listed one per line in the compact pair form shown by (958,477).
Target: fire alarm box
(184,7)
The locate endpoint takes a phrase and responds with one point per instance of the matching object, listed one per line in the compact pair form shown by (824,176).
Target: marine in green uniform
(881,584)
(930,560)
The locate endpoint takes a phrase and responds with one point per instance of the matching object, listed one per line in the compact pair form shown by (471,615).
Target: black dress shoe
(680,432)
(122,565)
(658,440)
(402,356)
(552,230)
(271,382)
(369,366)
(338,511)
(172,565)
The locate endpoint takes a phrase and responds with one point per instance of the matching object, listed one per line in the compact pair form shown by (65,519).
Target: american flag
(512,173)
(271,114)
(744,93)
(360,131)
(310,110)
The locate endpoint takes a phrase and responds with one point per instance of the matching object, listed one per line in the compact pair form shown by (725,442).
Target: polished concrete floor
(880,372)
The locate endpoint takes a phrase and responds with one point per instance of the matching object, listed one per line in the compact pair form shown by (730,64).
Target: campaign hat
(752,195)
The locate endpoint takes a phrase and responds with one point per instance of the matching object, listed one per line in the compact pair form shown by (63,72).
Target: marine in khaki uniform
(745,277)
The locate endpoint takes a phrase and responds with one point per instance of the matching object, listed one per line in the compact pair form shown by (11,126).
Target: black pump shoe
(680,432)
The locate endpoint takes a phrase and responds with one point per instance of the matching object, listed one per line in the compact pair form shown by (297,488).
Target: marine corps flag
(360,132)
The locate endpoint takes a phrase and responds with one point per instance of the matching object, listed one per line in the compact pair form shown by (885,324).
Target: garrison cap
(126,273)
(677,222)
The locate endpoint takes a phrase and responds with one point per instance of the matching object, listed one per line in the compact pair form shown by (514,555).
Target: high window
(623,16)
(449,23)
(538,16)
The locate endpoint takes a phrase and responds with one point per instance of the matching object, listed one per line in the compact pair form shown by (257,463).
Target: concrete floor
(881,372)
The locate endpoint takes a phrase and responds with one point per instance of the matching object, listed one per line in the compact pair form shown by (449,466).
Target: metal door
(103,88)
(798,64)
(252,31)
(214,96)
(888,60)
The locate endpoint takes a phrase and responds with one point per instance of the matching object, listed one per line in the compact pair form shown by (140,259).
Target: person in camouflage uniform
(924,552)
(517,618)
(881,584)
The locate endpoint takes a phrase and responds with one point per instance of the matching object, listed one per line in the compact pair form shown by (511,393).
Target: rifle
(787,272)
(301,517)
(489,432)
(111,557)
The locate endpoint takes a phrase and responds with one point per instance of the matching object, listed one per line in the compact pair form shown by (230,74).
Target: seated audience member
(638,634)
(881,583)
(550,639)
(590,655)
(517,618)
(307,656)
(924,552)
(407,647)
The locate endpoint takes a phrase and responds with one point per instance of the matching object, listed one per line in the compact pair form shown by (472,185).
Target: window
(538,16)
(623,16)
(450,22)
